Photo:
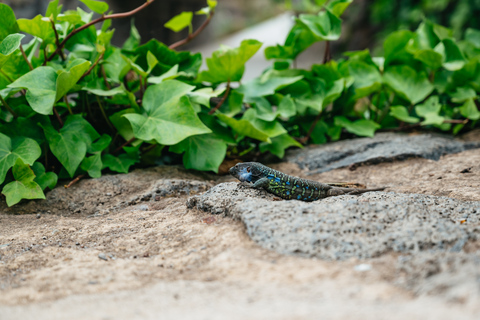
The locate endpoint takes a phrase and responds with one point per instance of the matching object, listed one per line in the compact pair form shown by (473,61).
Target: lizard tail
(360,191)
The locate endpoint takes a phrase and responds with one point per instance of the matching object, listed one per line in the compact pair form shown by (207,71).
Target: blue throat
(243,175)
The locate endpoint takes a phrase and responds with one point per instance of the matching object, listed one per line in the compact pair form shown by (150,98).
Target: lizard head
(246,171)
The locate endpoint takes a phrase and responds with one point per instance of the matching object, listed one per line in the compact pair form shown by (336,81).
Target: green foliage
(89,107)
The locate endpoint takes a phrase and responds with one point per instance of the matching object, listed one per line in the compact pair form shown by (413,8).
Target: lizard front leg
(261,183)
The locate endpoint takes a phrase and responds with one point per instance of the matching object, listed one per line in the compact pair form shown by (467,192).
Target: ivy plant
(74,105)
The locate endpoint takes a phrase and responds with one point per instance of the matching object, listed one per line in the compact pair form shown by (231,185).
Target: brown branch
(26,58)
(100,19)
(57,40)
(5,104)
(104,75)
(58,117)
(191,36)
(74,181)
(124,145)
(92,66)
(419,124)
(304,140)
(327,55)
(219,104)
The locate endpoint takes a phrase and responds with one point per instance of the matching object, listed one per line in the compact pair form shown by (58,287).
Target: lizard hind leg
(335,192)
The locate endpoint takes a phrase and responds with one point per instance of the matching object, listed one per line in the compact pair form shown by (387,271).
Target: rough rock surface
(384,147)
(342,227)
(112,192)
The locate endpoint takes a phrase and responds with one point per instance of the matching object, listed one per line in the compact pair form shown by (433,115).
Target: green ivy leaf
(23,187)
(469,110)
(401,113)
(324,26)
(133,40)
(279,145)
(170,118)
(53,10)
(39,27)
(229,64)
(395,46)
(180,22)
(120,164)
(44,179)
(41,88)
(69,145)
(99,7)
(367,78)
(67,79)
(9,21)
(101,144)
(115,65)
(462,94)
(93,165)
(202,152)
(45,86)
(17,148)
(453,57)
(8,46)
(337,7)
(361,127)
(473,36)
(429,57)
(407,83)
(244,128)
(167,58)
(429,110)
(266,85)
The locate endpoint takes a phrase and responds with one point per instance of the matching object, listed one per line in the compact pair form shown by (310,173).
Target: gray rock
(102,256)
(338,228)
(384,147)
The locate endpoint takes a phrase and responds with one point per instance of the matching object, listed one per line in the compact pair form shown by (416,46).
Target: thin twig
(100,19)
(124,145)
(58,117)
(74,181)
(26,58)
(150,147)
(419,124)
(304,140)
(104,114)
(45,56)
(68,105)
(57,40)
(92,66)
(6,75)
(104,75)
(191,36)
(5,104)
(219,104)
(327,56)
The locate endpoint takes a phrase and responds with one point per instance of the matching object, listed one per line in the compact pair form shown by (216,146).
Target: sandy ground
(156,259)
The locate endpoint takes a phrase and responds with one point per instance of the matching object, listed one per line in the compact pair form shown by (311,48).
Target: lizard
(286,186)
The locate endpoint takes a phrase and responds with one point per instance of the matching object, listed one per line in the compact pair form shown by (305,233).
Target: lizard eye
(248,169)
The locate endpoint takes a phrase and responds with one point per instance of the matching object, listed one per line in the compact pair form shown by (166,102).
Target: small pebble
(363,267)
(102,256)
(38,216)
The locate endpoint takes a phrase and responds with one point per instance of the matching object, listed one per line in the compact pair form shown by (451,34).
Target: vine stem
(57,40)
(6,75)
(192,36)
(74,181)
(58,116)
(93,66)
(100,19)
(124,145)
(68,105)
(5,104)
(104,114)
(219,104)
(416,125)
(26,58)
(304,140)
(327,55)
